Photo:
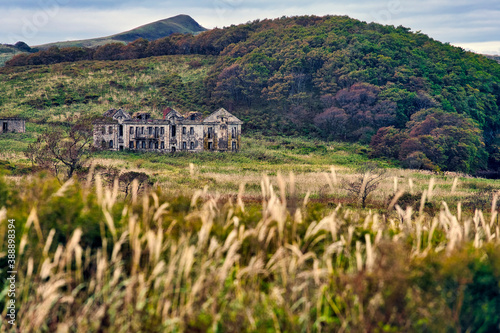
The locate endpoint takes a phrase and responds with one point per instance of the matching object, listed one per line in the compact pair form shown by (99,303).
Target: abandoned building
(13,125)
(118,130)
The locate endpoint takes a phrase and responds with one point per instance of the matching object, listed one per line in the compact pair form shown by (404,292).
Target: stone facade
(12,125)
(220,131)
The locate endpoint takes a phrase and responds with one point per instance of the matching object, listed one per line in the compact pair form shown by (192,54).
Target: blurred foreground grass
(91,260)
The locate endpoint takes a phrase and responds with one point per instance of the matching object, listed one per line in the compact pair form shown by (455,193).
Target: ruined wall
(12,125)
(195,136)
(222,137)
(210,136)
(137,133)
(191,133)
(225,137)
(106,136)
(234,138)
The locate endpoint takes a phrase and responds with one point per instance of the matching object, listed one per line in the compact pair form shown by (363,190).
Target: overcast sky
(474,25)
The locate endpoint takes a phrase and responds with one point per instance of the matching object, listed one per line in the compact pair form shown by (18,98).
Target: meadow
(269,239)
(320,169)
(267,259)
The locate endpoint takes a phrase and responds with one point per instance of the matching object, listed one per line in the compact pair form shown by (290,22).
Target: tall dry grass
(226,265)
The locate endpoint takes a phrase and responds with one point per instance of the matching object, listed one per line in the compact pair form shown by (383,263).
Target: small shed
(12,125)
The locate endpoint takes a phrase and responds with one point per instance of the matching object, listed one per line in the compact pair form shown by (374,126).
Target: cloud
(492,47)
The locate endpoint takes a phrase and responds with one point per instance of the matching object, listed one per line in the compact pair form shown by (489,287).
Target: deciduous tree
(370,176)
(67,148)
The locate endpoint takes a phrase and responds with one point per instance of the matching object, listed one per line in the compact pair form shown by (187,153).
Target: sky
(473,25)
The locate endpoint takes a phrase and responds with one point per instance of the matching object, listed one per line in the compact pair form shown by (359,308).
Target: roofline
(229,122)
(184,118)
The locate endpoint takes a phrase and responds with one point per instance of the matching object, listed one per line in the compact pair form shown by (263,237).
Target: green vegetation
(90,259)
(8,51)
(50,94)
(310,160)
(205,242)
(65,149)
(331,77)
(434,140)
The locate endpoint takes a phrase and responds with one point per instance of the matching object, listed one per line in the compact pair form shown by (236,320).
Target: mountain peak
(177,24)
(162,28)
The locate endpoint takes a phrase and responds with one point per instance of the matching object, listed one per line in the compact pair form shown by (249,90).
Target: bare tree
(63,148)
(39,156)
(370,176)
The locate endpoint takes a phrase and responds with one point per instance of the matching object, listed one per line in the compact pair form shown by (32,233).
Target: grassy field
(222,259)
(320,170)
(50,94)
(268,239)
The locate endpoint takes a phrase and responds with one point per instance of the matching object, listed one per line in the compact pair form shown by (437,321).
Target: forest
(338,78)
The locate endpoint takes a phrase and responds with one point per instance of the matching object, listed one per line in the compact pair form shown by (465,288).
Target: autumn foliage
(434,140)
(340,79)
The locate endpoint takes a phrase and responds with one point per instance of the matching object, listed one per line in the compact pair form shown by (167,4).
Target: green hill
(7,51)
(152,31)
(159,29)
(428,104)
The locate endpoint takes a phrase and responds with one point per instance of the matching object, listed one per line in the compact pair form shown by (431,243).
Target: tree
(162,46)
(230,86)
(370,176)
(111,51)
(418,160)
(67,148)
(450,140)
(136,49)
(355,113)
(434,139)
(332,122)
(387,142)
(39,156)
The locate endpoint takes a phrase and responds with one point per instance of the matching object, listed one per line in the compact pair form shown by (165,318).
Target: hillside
(152,31)
(329,77)
(7,51)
